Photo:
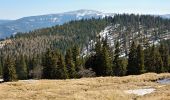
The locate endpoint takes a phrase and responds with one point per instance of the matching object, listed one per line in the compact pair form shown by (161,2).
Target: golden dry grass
(100,88)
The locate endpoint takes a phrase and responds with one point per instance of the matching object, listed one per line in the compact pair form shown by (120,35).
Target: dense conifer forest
(55,53)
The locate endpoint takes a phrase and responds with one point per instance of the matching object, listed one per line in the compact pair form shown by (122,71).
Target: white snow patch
(140,92)
(32,20)
(1,80)
(14,33)
(164,81)
(30,81)
(54,19)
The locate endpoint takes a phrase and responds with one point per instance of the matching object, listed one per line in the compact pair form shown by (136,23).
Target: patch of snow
(54,19)
(14,33)
(1,80)
(32,20)
(140,92)
(30,81)
(164,81)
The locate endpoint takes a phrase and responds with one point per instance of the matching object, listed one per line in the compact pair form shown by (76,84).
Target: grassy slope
(100,88)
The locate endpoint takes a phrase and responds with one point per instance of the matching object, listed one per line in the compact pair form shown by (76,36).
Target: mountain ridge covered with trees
(55,53)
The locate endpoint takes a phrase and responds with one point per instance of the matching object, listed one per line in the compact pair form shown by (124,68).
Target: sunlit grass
(100,88)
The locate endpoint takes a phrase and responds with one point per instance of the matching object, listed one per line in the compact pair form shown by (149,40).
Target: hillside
(143,29)
(31,23)
(123,45)
(100,88)
(61,37)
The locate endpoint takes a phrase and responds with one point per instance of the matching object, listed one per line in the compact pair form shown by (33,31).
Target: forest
(55,53)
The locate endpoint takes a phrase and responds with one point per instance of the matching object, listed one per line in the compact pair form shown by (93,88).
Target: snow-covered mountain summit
(26,24)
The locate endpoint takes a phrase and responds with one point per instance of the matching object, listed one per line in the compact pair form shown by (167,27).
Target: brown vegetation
(100,88)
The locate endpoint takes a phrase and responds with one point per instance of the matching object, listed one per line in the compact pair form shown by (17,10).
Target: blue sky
(14,9)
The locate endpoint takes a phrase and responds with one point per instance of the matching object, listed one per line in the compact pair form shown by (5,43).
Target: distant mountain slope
(35,22)
(143,29)
(4,21)
(166,16)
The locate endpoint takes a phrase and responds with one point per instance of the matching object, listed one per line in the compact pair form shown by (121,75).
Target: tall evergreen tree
(62,70)
(140,59)
(76,57)
(53,64)
(152,60)
(32,64)
(147,58)
(69,64)
(164,52)
(158,63)
(132,60)
(21,68)
(97,58)
(119,69)
(106,58)
(106,63)
(9,72)
(47,65)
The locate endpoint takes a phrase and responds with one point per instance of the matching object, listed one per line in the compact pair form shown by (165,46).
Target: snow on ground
(30,81)
(140,92)
(1,80)
(164,81)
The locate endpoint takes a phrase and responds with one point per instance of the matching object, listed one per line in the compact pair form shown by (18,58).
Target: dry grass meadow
(100,88)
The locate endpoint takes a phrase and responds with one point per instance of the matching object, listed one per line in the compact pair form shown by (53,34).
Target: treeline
(54,65)
(104,61)
(27,50)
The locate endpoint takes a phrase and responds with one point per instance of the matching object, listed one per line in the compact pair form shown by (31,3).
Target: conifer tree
(132,60)
(158,63)
(147,58)
(21,68)
(97,60)
(53,64)
(119,69)
(107,63)
(32,64)
(62,70)
(46,63)
(9,71)
(106,59)
(140,59)
(152,60)
(69,64)
(164,52)
(76,57)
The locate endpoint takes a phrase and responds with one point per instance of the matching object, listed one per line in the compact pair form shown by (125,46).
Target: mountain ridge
(30,23)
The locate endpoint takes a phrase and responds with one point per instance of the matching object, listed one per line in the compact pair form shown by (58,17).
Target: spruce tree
(132,60)
(97,58)
(46,63)
(164,52)
(119,69)
(158,63)
(147,58)
(53,64)
(106,63)
(76,57)
(69,64)
(140,59)
(152,60)
(21,68)
(62,70)
(9,71)
(106,59)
